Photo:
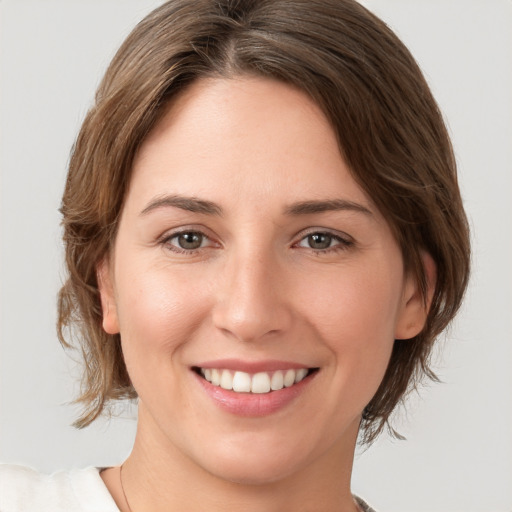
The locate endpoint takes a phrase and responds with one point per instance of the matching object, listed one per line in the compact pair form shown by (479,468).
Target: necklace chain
(122,488)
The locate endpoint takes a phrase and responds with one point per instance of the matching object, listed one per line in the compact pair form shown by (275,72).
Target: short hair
(388,126)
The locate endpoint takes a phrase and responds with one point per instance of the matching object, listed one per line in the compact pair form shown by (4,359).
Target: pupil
(319,241)
(190,240)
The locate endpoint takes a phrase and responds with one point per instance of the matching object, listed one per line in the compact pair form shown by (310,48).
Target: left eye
(321,241)
(188,240)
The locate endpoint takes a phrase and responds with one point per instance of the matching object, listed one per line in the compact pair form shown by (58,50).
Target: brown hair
(390,133)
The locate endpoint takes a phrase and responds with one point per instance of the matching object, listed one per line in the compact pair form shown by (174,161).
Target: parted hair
(389,129)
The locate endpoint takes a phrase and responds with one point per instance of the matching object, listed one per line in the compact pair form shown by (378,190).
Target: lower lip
(254,404)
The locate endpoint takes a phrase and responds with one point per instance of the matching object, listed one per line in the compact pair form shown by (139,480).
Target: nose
(252,301)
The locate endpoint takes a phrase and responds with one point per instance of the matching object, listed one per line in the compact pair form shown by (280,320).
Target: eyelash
(166,241)
(342,243)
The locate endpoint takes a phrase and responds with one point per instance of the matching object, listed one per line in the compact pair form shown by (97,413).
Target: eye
(187,241)
(323,241)
(319,240)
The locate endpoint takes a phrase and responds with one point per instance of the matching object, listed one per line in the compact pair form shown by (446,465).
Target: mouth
(254,383)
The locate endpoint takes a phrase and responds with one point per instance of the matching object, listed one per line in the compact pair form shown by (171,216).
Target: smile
(261,382)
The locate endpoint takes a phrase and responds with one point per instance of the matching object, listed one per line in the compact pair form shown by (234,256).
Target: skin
(254,290)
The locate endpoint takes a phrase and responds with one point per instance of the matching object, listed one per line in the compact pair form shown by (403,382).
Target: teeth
(277,381)
(216,377)
(241,382)
(262,382)
(289,378)
(226,380)
(300,374)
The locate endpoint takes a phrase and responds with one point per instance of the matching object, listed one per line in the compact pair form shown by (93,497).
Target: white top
(79,490)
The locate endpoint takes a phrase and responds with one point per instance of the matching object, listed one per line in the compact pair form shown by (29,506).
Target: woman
(264,236)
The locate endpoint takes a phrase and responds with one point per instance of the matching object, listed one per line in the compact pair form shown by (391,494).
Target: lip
(251,366)
(253,404)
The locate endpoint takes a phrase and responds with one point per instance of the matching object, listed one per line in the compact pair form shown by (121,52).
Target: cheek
(355,315)
(158,312)
(359,303)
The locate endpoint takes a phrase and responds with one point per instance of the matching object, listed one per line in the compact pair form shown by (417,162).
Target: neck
(157,476)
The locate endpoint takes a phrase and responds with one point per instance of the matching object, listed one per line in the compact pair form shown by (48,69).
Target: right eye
(320,240)
(187,241)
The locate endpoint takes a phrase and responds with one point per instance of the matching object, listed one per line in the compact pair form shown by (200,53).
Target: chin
(252,461)
(263,456)
(257,473)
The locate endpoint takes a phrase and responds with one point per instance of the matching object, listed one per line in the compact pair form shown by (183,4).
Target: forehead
(257,138)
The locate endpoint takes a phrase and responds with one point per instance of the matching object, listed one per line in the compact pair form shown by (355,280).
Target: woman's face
(248,256)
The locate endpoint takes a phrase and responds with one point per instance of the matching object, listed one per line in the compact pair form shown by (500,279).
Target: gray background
(458,456)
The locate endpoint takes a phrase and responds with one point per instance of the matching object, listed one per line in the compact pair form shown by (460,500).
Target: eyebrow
(195,205)
(310,207)
(190,204)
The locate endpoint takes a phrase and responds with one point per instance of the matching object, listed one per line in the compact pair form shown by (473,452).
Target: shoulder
(23,489)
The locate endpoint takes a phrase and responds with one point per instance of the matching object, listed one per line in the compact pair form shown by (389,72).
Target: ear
(415,307)
(108,302)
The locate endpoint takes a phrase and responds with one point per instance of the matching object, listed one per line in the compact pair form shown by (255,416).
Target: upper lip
(268,365)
